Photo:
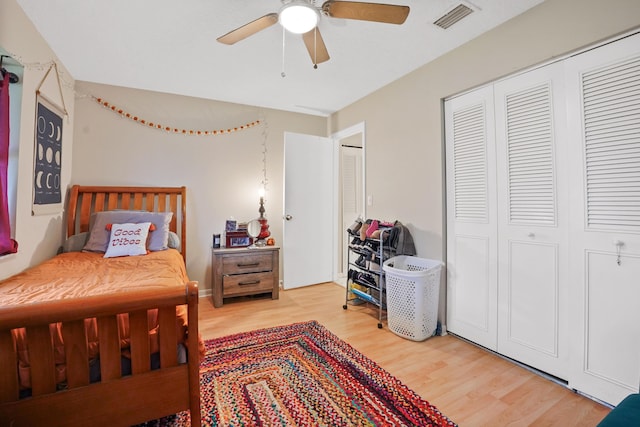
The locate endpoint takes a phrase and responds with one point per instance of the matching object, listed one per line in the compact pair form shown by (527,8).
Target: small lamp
(264,226)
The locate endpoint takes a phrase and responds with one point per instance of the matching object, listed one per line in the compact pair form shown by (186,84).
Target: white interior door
(309,215)
(603,87)
(471,217)
(532,212)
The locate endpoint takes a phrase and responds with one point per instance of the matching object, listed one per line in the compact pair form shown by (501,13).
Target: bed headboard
(85,200)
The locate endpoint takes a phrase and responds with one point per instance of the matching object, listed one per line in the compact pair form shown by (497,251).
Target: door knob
(288,217)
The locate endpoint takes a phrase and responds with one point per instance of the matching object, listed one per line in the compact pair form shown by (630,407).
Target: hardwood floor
(471,386)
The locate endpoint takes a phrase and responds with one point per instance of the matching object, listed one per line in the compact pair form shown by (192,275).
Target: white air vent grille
(611,99)
(530,156)
(453,16)
(470,164)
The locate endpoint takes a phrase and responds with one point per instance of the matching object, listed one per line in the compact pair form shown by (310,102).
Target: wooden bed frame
(123,400)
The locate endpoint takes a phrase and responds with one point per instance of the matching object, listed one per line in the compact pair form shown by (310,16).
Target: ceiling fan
(302,17)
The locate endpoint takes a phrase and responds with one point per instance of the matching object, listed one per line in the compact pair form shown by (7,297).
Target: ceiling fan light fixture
(299,17)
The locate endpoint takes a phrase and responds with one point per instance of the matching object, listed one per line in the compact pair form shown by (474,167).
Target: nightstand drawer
(243,284)
(244,271)
(247,263)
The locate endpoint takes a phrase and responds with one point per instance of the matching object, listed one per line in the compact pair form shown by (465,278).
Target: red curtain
(7,244)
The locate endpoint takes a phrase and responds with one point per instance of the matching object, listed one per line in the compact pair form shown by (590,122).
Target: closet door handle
(619,244)
(531,234)
(288,217)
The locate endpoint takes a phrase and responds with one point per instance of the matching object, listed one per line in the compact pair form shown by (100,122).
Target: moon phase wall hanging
(47,191)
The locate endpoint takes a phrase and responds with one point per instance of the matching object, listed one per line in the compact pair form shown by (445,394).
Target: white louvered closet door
(604,88)
(471,217)
(532,219)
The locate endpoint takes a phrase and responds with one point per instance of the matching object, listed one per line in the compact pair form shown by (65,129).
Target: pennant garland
(62,81)
(171,129)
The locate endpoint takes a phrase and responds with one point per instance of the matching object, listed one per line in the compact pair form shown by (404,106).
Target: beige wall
(404,121)
(222,173)
(38,236)
(403,128)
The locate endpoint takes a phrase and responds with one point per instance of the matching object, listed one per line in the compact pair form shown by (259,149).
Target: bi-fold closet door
(506,262)
(543,218)
(532,190)
(472,247)
(603,92)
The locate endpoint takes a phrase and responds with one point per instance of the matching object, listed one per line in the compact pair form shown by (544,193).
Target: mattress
(82,274)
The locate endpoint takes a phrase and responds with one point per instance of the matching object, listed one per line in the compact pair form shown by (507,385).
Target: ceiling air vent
(453,16)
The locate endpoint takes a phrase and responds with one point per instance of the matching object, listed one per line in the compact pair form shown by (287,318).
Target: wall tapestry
(47,191)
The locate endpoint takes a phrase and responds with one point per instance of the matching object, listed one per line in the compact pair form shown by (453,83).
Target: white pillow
(173,241)
(128,239)
(99,236)
(75,243)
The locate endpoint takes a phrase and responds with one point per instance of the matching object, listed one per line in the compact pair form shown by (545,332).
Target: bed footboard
(143,395)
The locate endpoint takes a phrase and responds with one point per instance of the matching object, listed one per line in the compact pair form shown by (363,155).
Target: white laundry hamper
(413,292)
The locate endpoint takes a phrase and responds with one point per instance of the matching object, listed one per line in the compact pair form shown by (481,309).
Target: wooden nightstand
(244,271)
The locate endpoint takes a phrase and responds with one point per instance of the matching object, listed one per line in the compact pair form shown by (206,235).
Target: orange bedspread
(80,274)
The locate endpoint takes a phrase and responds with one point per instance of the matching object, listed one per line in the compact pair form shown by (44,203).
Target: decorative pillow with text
(128,239)
(99,236)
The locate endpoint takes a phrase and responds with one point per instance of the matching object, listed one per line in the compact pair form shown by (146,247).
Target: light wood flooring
(470,385)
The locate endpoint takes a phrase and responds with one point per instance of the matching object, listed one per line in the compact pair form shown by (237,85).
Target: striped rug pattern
(301,375)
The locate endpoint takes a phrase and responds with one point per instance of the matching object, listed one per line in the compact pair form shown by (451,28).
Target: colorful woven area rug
(301,375)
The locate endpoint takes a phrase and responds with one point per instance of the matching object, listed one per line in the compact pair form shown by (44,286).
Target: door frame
(358,128)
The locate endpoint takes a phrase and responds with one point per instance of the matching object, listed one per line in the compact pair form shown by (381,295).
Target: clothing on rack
(400,240)
(396,237)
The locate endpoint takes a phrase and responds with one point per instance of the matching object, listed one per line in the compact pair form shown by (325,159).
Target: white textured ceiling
(170,46)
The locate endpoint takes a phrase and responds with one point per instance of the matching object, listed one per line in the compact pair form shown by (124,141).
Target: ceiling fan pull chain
(283,74)
(315,48)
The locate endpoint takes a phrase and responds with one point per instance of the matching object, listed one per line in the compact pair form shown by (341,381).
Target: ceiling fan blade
(249,29)
(316,47)
(376,12)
